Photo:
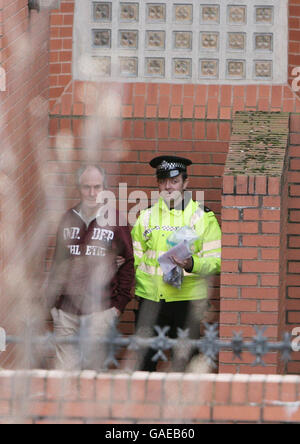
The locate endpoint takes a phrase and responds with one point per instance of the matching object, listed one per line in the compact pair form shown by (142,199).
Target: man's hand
(120,260)
(186,264)
(117,311)
(108,317)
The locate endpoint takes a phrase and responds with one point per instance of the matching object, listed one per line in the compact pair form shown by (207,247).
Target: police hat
(169,166)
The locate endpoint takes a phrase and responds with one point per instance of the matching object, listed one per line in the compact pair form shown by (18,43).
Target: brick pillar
(293,242)
(254,218)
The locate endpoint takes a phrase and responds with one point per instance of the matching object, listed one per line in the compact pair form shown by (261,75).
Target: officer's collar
(182,205)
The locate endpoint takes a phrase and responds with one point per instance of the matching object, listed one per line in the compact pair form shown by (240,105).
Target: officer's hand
(186,264)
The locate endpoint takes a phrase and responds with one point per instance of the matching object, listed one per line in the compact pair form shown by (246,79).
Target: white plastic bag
(187,235)
(182,234)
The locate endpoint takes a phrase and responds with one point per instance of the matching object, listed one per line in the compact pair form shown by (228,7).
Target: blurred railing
(209,345)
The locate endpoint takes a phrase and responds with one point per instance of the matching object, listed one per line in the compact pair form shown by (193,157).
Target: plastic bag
(175,276)
(185,233)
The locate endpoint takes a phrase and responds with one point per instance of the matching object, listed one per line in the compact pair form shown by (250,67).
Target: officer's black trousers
(181,314)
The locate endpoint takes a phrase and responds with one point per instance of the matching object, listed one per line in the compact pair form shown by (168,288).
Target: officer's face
(91,183)
(171,187)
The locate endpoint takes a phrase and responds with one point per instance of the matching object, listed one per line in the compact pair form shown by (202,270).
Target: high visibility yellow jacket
(150,235)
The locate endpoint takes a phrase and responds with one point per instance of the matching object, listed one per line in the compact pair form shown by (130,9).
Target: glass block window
(181,41)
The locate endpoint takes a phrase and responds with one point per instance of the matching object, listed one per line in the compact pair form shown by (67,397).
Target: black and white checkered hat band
(157,228)
(169,166)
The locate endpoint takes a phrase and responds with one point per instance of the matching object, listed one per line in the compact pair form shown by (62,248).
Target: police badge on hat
(169,166)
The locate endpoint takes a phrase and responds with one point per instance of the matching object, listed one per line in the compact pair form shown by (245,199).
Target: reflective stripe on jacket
(150,235)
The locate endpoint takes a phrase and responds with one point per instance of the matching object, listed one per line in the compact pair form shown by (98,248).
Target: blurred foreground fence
(209,345)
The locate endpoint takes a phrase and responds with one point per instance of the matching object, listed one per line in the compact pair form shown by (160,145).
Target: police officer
(162,304)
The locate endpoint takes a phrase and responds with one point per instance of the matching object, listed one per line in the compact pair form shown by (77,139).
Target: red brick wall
(24,138)
(208,110)
(61,33)
(190,120)
(251,268)
(211,102)
(88,398)
(206,143)
(294,38)
(254,210)
(293,225)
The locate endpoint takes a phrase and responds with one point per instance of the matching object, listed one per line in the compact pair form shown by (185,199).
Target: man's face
(172,188)
(91,183)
